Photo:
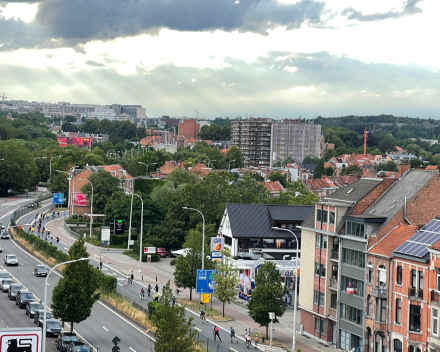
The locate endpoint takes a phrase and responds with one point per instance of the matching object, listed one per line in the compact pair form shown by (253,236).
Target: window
(352,286)
(332,218)
(320,269)
(336,244)
(382,276)
(397,345)
(321,241)
(355,229)
(414,318)
(351,314)
(438,279)
(398,311)
(383,310)
(369,304)
(370,274)
(324,242)
(345,340)
(321,215)
(255,243)
(333,301)
(421,280)
(352,257)
(320,326)
(335,271)
(399,278)
(318,298)
(413,278)
(434,323)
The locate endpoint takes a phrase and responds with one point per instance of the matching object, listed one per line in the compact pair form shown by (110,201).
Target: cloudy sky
(232,58)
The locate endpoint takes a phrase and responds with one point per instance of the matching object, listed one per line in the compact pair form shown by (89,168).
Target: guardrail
(70,232)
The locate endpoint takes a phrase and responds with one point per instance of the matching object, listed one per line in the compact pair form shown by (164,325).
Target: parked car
(41,270)
(170,253)
(38,316)
(162,252)
(32,307)
(4,275)
(64,339)
(2,226)
(4,234)
(53,327)
(24,297)
(13,290)
(5,283)
(78,346)
(11,259)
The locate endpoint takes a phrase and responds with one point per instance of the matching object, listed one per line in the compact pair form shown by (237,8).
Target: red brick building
(189,129)
(434,298)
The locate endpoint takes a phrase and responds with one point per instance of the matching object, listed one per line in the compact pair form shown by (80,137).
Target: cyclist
(202,316)
(248,339)
(156,297)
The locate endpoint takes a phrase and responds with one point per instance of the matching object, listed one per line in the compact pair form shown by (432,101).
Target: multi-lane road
(104,323)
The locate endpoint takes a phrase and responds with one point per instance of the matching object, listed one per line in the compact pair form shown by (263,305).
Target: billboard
(119,227)
(149,250)
(79,199)
(105,233)
(20,339)
(217,244)
(205,281)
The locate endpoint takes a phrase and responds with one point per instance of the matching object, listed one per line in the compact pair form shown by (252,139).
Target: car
(53,327)
(2,226)
(11,259)
(170,253)
(13,290)
(23,298)
(5,283)
(4,235)
(161,252)
(78,346)
(4,275)
(38,316)
(64,339)
(1,249)
(32,307)
(31,205)
(41,270)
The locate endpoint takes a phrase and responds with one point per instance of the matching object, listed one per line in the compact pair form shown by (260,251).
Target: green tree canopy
(179,176)
(226,280)
(235,156)
(352,169)
(278,176)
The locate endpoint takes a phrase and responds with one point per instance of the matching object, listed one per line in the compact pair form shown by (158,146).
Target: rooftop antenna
(197,113)
(3,101)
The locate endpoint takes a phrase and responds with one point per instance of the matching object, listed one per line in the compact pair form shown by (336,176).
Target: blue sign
(58,198)
(205,281)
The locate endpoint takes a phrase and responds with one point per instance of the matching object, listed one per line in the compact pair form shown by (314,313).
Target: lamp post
(203,242)
(230,164)
(70,178)
(45,298)
(50,166)
(146,166)
(142,224)
(296,287)
(91,205)
(210,162)
(131,214)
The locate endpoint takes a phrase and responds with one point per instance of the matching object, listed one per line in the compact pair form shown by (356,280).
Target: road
(102,325)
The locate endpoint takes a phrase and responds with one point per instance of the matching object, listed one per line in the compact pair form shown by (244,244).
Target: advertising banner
(149,250)
(20,339)
(79,199)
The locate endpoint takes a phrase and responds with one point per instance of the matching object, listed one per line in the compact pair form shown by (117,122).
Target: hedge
(154,258)
(146,186)
(152,308)
(46,248)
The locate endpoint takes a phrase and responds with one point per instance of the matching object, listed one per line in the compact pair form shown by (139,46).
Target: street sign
(205,281)
(20,339)
(115,349)
(205,298)
(105,233)
(119,227)
(58,198)
(116,340)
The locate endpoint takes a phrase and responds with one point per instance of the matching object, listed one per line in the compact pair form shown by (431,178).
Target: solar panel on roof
(431,225)
(436,228)
(418,247)
(433,238)
(421,252)
(402,248)
(416,236)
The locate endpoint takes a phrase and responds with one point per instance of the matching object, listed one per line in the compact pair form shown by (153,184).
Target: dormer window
(355,229)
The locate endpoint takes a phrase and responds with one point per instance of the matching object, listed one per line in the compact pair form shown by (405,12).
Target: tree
(319,170)
(268,296)
(234,153)
(76,292)
(278,176)
(352,169)
(186,266)
(387,143)
(174,332)
(160,193)
(309,160)
(388,166)
(226,280)
(104,185)
(413,149)
(179,176)
(329,171)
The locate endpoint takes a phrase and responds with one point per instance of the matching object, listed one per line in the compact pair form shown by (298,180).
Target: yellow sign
(205,298)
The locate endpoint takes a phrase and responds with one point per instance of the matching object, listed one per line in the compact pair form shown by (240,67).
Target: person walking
(233,335)
(149,290)
(202,316)
(215,332)
(51,241)
(128,280)
(174,300)
(58,240)
(157,288)
(100,263)
(131,277)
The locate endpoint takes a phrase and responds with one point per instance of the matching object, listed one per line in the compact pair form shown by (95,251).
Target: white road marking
(105,328)
(120,278)
(48,284)
(120,284)
(66,248)
(197,328)
(21,263)
(132,349)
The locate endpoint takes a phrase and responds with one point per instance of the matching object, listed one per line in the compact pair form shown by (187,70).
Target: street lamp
(146,175)
(296,286)
(91,205)
(39,157)
(131,214)
(230,164)
(203,242)
(209,162)
(73,191)
(45,297)
(142,224)
(50,166)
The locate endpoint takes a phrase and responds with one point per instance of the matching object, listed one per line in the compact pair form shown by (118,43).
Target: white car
(1,249)
(2,226)
(11,259)
(4,234)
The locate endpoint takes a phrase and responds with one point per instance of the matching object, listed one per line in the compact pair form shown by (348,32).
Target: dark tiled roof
(355,191)
(289,212)
(310,220)
(254,220)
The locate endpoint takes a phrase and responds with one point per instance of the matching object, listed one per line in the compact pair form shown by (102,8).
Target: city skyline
(281,58)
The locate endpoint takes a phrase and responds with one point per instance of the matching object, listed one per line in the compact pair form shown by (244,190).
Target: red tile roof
(393,240)
(200,170)
(117,170)
(432,167)
(398,148)
(436,246)
(272,186)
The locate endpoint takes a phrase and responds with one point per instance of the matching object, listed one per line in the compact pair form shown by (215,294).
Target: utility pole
(3,101)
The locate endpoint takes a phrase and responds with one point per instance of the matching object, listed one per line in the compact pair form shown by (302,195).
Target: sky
(272,58)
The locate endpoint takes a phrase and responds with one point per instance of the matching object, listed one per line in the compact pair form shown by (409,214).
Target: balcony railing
(332,313)
(380,292)
(380,326)
(415,293)
(334,283)
(435,297)
(334,255)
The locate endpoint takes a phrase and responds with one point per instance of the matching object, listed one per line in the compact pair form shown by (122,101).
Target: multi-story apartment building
(295,139)
(252,136)
(189,129)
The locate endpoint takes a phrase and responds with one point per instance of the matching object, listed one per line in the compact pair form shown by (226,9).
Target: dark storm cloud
(61,23)
(409,8)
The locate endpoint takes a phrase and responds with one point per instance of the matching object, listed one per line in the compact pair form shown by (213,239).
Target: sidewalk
(162,272)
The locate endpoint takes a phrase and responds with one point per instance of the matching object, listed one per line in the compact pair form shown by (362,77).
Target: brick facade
(189,129)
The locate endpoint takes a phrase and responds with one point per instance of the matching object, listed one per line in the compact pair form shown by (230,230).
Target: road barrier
(70,231)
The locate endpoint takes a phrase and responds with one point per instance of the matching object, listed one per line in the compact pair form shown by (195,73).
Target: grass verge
(211,314)
(267,341)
